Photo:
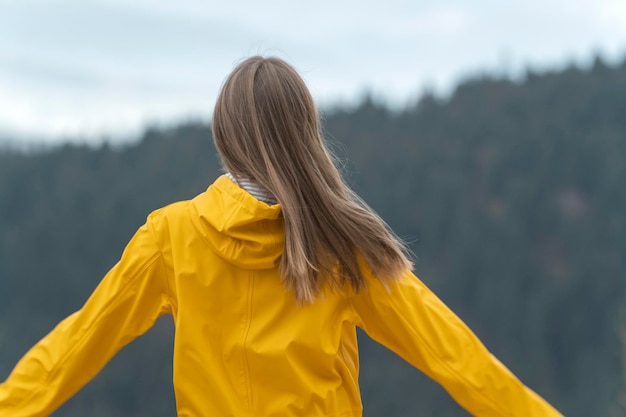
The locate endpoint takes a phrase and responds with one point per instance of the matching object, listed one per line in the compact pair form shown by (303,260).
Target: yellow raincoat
(243,347)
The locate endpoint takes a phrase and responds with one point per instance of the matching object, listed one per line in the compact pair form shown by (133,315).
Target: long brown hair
(267,129)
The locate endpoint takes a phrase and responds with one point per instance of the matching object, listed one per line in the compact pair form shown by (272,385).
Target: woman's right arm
(410,320)
(126,303)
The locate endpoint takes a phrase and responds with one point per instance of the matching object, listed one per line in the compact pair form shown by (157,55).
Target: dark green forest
(511,194)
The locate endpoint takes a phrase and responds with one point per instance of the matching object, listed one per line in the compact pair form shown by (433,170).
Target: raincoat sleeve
(409,319)
(124,305)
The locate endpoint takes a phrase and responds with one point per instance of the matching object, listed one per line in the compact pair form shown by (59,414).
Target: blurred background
(490,135)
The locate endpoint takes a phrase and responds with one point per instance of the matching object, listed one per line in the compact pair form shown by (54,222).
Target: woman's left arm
(124,305)
(410,320)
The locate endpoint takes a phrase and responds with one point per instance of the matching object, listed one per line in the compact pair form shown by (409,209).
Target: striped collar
(254,189)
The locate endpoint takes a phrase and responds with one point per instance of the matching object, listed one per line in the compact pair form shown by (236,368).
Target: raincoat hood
(239,228)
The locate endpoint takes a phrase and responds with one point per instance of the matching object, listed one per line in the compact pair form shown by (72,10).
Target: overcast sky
(95,68)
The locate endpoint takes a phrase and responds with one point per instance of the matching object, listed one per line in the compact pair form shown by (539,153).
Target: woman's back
(243,344)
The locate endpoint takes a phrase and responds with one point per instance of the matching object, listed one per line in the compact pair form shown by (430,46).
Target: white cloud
(439,21)
(89,66)
(613,13)
(53,111)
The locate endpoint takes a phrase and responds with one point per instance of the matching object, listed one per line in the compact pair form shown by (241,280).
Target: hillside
(510,193)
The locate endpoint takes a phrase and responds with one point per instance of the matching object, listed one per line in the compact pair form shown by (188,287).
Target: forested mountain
(511,194)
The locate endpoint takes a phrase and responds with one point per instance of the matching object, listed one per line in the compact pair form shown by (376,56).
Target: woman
(267,274)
